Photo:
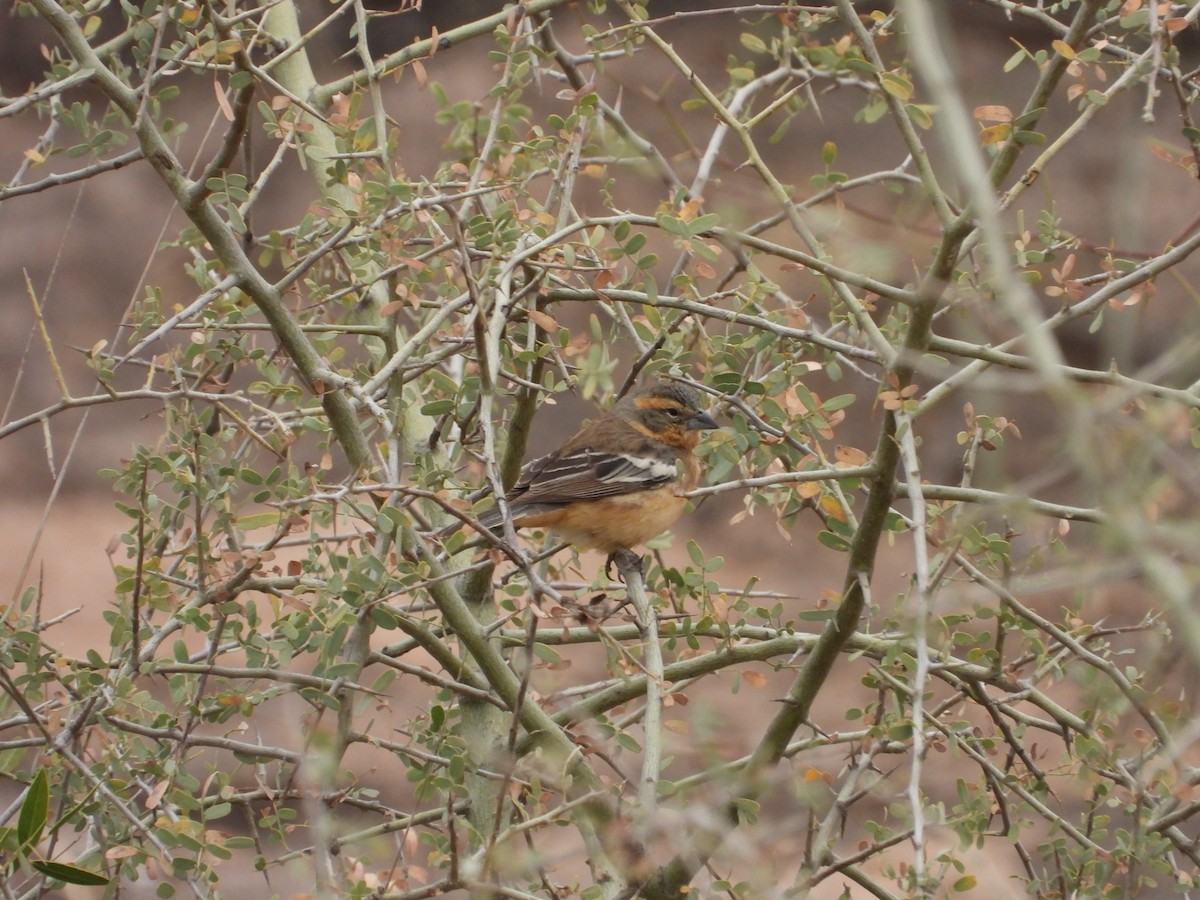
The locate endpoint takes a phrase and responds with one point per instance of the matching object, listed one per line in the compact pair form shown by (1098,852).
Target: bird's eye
(673,412)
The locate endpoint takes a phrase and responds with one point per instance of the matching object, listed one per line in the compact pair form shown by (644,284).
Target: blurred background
(89,251)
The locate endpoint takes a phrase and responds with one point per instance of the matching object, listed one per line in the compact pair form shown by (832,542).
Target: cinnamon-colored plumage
(619,481)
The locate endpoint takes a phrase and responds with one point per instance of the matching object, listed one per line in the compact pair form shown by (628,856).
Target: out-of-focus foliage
(313,673)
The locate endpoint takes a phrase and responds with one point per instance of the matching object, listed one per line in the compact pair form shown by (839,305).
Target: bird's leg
(626,560)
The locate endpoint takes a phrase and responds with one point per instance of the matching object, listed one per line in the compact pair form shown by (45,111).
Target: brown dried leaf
(223,101)
(850,456)
(993,113)
(754,679)
(544,321)
(156,795)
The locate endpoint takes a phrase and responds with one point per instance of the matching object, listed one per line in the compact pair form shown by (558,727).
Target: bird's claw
(624,558)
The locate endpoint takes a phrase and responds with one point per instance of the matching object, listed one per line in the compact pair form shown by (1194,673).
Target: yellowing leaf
(1063,49)
(995,134)
(690,210)
(832,508)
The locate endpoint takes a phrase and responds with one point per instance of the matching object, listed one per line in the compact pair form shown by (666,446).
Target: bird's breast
(623,521)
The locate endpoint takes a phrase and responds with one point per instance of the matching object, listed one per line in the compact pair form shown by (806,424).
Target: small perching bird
(620,480)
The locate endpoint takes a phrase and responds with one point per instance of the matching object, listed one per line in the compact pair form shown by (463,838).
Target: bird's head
(667,411)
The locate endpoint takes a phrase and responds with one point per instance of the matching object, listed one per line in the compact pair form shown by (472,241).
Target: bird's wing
(589,474)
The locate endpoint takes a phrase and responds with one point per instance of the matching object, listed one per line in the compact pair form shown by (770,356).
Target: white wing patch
(636,469)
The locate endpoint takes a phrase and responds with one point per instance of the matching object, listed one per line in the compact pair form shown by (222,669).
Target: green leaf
(841,401)
(1029,118)
(753,43)
(34,810)
(546,654)
(815,615)
(703,223)
(672,225)
(258,520)
(748,808)
(875,110)
(69,874)
(861,67)
(896,85)
(833,541)
(627,741)
(920,114)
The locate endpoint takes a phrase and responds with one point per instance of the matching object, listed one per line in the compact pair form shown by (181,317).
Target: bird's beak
(701,421)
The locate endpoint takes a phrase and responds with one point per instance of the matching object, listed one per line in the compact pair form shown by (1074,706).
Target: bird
(620,481)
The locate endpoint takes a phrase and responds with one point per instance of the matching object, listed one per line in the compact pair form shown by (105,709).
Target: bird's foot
(626,560)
